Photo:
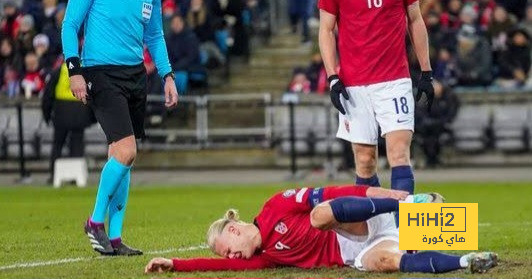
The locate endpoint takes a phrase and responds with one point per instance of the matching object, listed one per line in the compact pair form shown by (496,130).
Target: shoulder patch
(289,193)
(281,228)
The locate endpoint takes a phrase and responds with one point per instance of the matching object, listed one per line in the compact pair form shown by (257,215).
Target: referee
(111,79)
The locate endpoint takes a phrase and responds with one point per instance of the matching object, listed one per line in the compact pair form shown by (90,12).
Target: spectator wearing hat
(473,58)
(514,62)
(47,60)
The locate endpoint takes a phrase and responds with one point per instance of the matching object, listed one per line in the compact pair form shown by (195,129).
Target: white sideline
(81,259)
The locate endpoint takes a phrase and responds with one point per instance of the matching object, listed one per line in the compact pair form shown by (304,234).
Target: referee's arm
(154,39)
(75,15)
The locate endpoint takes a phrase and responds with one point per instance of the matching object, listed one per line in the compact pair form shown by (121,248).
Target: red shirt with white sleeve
(371,39)
(288,238)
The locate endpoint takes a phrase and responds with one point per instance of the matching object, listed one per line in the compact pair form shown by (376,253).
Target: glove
(425,86)
(337,88)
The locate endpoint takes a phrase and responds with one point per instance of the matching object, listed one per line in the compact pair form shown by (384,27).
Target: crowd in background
(200,34)
(473,43)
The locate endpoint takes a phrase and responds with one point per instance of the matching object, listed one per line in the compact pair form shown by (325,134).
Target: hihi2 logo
(438,226)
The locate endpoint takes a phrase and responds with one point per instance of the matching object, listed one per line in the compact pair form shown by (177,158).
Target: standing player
(373,87)
(112,82)
(322,227)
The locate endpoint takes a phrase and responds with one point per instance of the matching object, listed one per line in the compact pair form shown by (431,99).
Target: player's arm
(419,36)
(75,15)
(207,264)
(327,41)
(420,42)
(305,199)
(154,40)
(319,195)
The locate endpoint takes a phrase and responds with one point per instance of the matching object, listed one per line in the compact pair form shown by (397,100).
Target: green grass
(43,224)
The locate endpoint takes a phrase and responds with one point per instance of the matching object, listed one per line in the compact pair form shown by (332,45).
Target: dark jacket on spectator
(514,58)
(202,23)
(183,50)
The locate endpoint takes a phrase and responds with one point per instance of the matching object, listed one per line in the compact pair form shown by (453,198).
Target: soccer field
(41,229)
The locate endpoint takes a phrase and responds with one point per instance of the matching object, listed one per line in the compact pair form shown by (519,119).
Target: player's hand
(337,91)
(381,193)
(79,88)
(159,265)
(170,93)
(425,86)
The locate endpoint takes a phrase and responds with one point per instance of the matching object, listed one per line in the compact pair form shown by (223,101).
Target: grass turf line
(44,224)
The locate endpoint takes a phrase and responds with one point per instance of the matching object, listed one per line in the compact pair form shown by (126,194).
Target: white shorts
(352,247)
(389,105)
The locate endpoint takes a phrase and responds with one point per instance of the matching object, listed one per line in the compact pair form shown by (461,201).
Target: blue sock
(429,262)
(117,207)
(402,179)
(112,174)
(372,181)
(355,209)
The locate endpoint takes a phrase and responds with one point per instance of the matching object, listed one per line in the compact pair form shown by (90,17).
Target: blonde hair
(218,226)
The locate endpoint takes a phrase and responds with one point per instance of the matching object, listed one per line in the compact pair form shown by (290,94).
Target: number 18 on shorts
(388,105)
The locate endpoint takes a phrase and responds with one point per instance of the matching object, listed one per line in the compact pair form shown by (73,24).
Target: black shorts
(117,95)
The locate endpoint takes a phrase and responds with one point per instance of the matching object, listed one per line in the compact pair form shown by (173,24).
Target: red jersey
(288,238)
(371,39)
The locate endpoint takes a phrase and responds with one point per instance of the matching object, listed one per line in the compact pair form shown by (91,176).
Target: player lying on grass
(322,227)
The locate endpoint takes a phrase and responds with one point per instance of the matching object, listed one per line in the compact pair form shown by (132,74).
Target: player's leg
(359,127)
(136,91)
(334,213)
(394,108)
(386,257)
(366,164)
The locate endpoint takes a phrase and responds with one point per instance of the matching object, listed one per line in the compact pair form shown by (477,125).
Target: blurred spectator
(47,60)
(514,63)
(183,51)
(299,83)
(450,19)
(68,115)
(474,60)
(169,9)
(32,83)
(300,11)
(516,7)
(10,66)
(25,34)
(201,21)
(317,75)
(485,11)
(53,30)
(430,126)
(501,24)
(11,20)
(526,24)
(445,68)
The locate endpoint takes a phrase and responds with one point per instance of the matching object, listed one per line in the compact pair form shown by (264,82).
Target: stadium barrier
(486,122)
